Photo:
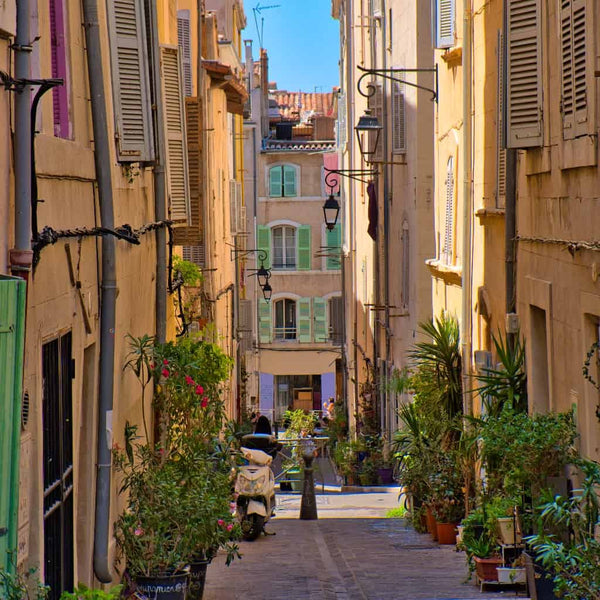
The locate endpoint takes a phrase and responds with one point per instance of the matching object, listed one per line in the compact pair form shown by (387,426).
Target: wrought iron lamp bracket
(362,175)
(390,74)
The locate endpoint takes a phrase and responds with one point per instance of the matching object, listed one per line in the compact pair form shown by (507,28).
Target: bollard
(308,506)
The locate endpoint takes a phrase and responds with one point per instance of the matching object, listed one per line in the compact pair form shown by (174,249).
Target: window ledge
(453,57)
(449,273)
(483,213)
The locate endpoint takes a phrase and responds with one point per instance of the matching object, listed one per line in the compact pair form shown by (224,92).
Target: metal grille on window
(57,426)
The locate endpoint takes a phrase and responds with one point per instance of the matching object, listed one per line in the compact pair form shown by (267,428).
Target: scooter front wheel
(252,526)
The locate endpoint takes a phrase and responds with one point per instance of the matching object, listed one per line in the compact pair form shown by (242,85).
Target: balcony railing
(296,145)
(284,333)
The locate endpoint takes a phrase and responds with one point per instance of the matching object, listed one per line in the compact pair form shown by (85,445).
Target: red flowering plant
(178,485)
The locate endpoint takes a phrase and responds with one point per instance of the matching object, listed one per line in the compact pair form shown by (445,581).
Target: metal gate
(57,372)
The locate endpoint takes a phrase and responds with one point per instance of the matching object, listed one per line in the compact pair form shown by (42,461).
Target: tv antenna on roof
(257,11)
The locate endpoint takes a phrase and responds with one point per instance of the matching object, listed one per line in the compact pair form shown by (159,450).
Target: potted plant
(513,574)
(483,553)
(566,545)
(177,487)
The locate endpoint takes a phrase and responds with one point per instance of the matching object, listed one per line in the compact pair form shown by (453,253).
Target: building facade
(295,360)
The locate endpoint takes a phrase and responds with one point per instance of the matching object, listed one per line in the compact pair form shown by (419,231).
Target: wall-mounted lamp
(331,210)
(262,273)
(267,291)
(369,125)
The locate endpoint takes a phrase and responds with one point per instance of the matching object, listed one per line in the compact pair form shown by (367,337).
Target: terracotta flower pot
(486,568)
(431,524)
(446,533)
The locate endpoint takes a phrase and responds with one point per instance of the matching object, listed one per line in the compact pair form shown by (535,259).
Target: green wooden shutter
(265,321)
(320,318)
(334,248)
(12,335)
(304,320)
(304,250)
(131,81)
(289,181)
(263,242)
(275,182)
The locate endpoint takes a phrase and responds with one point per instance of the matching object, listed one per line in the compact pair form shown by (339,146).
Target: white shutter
(445,18)
(341,123)
(376,107)
(574,102)
(500,149)
(398,119)
(447,248)
(524,74)
(130,80)
(185,48)
(177,160)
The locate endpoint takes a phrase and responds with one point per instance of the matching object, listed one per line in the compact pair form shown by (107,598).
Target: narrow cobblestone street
(343,558)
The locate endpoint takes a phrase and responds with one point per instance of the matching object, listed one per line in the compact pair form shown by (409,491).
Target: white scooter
(255,484)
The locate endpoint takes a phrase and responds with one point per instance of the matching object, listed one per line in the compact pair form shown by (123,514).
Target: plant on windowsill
(22,586)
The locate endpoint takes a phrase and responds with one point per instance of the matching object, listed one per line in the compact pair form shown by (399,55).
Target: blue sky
(302,41)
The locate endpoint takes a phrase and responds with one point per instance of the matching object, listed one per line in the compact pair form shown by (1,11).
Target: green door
(12,338)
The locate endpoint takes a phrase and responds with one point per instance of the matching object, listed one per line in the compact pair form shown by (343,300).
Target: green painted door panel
(12,338)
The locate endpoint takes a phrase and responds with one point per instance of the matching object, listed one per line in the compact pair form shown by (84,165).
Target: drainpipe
(108,286)
(467,209)
(160,205)
(21,256)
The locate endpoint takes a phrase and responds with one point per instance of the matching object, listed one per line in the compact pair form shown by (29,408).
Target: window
(58,57)
(284,247)
(131,81)
(540,381)
(285,319)
(447,247)
(405,265)
(444,19)
(282,181)
(574,92)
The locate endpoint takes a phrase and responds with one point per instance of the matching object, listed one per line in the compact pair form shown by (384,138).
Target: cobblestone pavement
(343,559)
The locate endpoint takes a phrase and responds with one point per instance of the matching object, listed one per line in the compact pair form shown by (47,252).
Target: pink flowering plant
(177,481)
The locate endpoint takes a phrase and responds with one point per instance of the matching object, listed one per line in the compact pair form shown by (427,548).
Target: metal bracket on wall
(390,75)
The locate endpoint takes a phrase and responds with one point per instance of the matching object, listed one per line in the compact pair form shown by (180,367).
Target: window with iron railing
(285,319)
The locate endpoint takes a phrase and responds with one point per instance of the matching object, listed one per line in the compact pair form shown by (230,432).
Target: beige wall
(558,198)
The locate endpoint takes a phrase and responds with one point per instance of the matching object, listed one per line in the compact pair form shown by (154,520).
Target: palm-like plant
(440,357)
(507,383)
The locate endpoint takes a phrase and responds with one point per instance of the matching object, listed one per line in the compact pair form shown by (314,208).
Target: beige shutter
(233,206)
(398,119)
(574,102)
(195,254)
(193,234)
(185,48)
(130,81)
(500,149)
(376,108)
(341,122)
(177,160)
(444,23)
(524,74)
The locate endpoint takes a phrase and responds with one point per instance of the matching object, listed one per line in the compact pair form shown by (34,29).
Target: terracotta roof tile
(302,105)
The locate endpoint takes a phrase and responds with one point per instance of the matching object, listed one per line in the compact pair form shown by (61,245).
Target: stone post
(308,506)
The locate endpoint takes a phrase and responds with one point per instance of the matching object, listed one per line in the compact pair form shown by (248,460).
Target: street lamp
(262,275)
(331,210)
(371,126)
(267,291)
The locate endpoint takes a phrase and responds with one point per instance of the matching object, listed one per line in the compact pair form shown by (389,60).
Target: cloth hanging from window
(373,210)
